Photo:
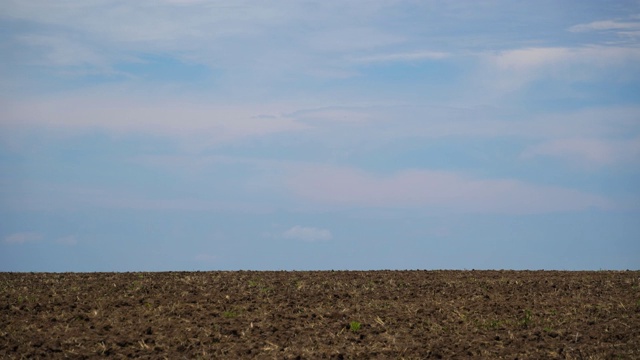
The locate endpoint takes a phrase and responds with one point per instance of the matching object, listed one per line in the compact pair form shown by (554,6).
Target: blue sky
(296,135)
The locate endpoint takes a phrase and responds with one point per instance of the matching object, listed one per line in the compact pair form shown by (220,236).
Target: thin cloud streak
(308,234)
(588,152)
(208,124)
(510,73)
(539,58)
(403,57)
(23,237)
(606,25)
(450,191)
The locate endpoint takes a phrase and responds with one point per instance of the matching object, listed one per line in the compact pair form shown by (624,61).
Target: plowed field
(321,315)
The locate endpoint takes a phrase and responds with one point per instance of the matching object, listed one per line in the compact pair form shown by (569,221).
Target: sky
(192,135)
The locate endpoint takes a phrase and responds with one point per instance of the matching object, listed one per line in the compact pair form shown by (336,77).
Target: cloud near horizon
(308,234)
(23,237)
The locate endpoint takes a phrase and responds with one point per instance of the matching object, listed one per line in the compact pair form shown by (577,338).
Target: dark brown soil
(322,315)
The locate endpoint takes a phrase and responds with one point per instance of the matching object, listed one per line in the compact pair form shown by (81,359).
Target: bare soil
(321,315)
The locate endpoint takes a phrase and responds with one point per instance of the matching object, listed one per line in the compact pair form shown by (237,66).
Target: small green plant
(526,320)
(266,289)
(494,324)
(230,314)
(355,326)
(26,298)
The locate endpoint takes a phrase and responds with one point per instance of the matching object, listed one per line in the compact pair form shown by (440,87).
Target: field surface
(321,315)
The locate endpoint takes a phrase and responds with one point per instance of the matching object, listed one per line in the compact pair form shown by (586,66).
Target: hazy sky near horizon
(296,135)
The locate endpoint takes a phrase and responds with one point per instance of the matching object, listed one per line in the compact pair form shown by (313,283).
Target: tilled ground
(322,315)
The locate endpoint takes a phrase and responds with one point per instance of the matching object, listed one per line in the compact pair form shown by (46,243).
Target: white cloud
(309,234)
(530,58)
(557,59)
(438,190)
(615,31)
(606,25)
(22,237)
(504,73)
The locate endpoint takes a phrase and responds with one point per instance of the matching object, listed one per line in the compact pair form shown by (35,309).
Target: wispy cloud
(23,237)
(45,196)
(62,51)
(403,57)
(555,60)
(588,152)
(620,31)
(531,58)
(200,123)
(245,35)
(602,25)
(309,234)
(444,190)
(378,124)
(511,72)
